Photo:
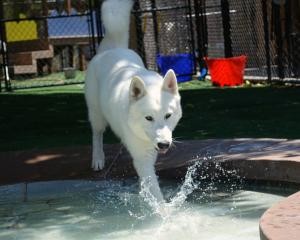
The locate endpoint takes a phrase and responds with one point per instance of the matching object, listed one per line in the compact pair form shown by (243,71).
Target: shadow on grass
(240,112)
(34,121)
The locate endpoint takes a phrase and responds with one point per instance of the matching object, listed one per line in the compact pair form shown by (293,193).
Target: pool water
(90,210)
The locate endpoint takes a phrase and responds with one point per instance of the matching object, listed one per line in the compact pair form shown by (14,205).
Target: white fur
(121,92)
(116,18)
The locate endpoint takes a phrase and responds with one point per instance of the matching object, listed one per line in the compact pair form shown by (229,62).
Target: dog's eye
(168,115)
(149,118)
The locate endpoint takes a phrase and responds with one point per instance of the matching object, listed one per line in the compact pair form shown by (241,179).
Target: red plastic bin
(226,71)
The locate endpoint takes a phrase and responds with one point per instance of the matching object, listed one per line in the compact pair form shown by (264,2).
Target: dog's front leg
(144,165)
(98,154)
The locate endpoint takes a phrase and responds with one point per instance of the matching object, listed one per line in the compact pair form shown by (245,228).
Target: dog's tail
(116,21)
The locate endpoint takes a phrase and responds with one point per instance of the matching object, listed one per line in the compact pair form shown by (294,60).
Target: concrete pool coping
(253,159)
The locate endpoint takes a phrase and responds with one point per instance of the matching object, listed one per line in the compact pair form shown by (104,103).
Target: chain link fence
(45,43)
(267,32)
(165,38)
(50,42)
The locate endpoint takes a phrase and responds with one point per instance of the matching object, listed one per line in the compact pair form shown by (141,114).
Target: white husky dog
(141,107)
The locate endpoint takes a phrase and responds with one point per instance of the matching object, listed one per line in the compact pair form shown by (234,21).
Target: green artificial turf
(57,116)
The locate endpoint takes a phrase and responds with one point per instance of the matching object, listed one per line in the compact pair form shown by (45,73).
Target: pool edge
(281,221)
(254,159)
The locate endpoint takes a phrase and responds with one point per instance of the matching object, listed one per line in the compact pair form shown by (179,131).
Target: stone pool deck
(253,159)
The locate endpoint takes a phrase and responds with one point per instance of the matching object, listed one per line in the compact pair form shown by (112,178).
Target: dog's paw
(98,162)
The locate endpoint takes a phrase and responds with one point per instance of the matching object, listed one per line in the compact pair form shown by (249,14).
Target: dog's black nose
(163,145)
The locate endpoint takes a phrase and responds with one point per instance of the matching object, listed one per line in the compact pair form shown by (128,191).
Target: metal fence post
(267,39)
(201,29)
(276,8)
(92,26)
(1,42)
(4,54)
(98,21)
(192,40)
(139,31)
(226,27)
(155,25)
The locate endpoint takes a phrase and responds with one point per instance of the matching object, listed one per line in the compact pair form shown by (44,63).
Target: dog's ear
(137,88)
(170,82)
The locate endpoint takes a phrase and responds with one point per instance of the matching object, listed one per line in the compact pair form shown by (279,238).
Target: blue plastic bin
(182,64)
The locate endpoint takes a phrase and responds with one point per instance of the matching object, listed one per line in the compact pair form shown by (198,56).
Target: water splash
(166,209)
(149,198)
(196,174)
(188,186)
(87,209)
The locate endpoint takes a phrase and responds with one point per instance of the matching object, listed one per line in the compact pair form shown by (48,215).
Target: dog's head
(155,110)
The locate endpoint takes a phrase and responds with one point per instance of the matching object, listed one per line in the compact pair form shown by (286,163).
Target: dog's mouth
(162,151)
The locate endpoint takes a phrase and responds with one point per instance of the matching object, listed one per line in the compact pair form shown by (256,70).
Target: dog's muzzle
(163,147)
